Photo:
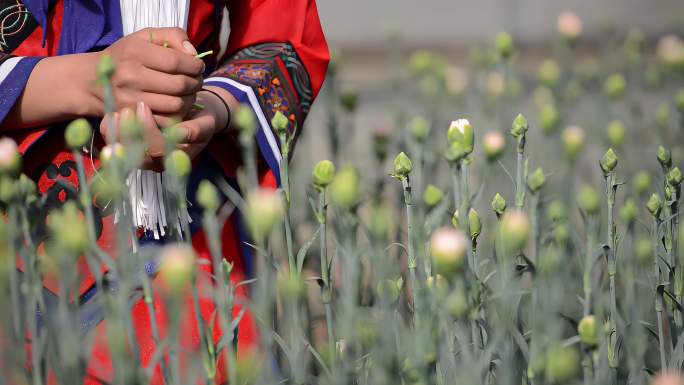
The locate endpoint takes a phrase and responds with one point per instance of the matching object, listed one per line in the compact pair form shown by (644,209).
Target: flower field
(513,224)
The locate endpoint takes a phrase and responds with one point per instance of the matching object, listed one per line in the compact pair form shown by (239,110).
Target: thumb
(175,38)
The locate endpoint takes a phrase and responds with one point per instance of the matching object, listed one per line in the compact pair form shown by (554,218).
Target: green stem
(326,291)
(612,269)
(412,263)
(285,183)
(659,298)
(520,174)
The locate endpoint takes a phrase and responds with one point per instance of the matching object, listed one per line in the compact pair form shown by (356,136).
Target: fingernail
(126,113)
(140,109)
(189,47)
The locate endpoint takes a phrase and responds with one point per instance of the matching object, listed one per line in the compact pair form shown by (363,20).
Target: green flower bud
(515,230)
(498,204)
(670,192)
(494,144)
(323,174)
(419,129)
(662,117)
(245,121)
(176,269)
(110,151)
(654,205)
(132,130)
(380,222)
(457,304)
(264,209)
(344,189)
(615,132)
(504,44)
(461,132)
(474,223)
(455,152)
(556,211)
(536,180)
(105,67)
(8,189)
(642,182)
(432,196)
(561,233)
(519,127)
(614,86)
(78,133)
(455,217)
(178,163)
(280,123)
(629,212)
(10,159)
(27,189)
(402,166)
(562,364)
(587,331)
(679,100)
(291,286)
(589,200)
(548,118)
(674,176)
(548,72)
(349,98)
(573,141)
(664,157)
(389,290)
(448,248)
(437,283)
(549,259)
(68,229)
(207,196)
(608,162)
(643,250)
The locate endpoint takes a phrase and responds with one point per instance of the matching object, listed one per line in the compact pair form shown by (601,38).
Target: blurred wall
(363,23)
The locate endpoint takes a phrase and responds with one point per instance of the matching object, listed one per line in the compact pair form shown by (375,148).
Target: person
(274,58)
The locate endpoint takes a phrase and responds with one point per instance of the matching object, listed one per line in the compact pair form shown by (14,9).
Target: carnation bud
(629,212)
(244,120)
(674,176)
(380,221)
(389,289)
(177,268)
(381,135)
(474,224)
(573,141)
(515,230)
(110,151)
(448,248)
(10,160)
(455,152)
(548,72)
(536,180)
(556,211)
(615,132)
(419,128)
(504,44)
(8,189)
(654,205)
(432,196)
(589,200)
(667,379)
(587,330)
(664,157)
(178,163)
(498,205)
(402,166)
(349,98)
(207,196)
(105,67)
(548,118)
(614,86)
(323,174)
(561,233)
(519,127)
(78,133)
(494,144)
(27,189)
(280,123)
(291,286)
(69,229)
(562,364)
(457,304)
(643,250)
(569,25)
(679,100)
(608,162)
(461,132)
(344,189)
(670,192)
(642,182)
(662,117)
(264,209)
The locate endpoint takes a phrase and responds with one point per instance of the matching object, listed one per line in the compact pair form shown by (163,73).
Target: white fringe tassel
(148,191)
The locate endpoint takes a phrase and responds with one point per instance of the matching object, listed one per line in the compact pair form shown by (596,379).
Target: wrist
(214,103)
(84,93)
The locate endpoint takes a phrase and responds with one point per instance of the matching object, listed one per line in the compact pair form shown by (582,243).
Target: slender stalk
(326,290)
(520,174)
(412,263)
(285,183)
(659,297)
(592,229)
(611,188)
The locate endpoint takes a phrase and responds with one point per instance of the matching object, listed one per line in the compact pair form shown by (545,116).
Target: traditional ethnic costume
(274,59)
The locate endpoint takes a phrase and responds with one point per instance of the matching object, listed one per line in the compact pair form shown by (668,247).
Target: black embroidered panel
(16,24)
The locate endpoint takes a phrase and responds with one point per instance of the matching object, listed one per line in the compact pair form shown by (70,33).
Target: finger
(153,136)
(168,84)
(175,38)
(107,124)
(171,61)
(169,105)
